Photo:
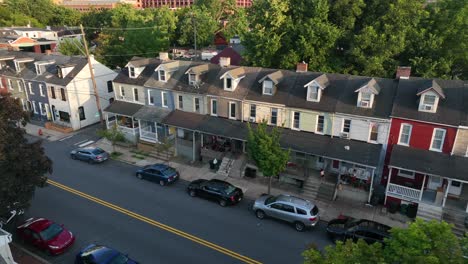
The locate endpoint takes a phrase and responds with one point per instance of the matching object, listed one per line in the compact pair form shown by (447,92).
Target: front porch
(121,114)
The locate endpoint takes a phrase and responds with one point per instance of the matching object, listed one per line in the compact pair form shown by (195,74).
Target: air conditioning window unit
(251,119)
(364,104)
(427,107)
(344,135)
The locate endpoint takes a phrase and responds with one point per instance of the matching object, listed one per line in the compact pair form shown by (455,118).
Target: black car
(350,228)
(222,192)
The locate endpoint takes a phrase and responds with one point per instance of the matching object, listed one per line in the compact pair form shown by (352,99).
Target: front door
(455,188)
(434,182)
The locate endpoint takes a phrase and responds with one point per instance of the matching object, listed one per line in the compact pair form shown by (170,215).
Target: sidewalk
(252,189)
(24,256)
(48,134)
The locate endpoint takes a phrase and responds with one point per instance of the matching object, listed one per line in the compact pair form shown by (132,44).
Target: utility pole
(98,104)
(195,34)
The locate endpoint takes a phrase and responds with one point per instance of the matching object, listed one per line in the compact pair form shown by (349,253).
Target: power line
(121,28)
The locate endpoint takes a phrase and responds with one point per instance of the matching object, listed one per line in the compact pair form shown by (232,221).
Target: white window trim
(34,107)
(225,84)
(235,107)
(19,86)
(264,87)
(178,101)
(149,98)
(211,107)
(130,72)
(159,75)
(23,105)
(38,69)
(371,103)
(443,139)
(10,84)
(41,90)
(404,175)
(250,111)
(316,125)
(195,105)
(434,107)
(136,89)
(122,92)
(319,93)
(343,125)
(164,95)
(40,108)
(30,87)
(401,132)
(292,120)
(370,133)
(271,115)
(192,82)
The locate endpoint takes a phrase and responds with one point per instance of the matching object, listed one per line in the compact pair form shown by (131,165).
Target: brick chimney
(224,61)
(403,72)
(164,56)
(301,67)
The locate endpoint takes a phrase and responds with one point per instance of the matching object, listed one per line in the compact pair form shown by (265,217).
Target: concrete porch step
(429,212)
(326,192)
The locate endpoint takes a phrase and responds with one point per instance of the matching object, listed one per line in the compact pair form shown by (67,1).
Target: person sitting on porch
(322,174)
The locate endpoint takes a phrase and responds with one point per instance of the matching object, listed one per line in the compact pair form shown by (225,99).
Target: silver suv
(300,212)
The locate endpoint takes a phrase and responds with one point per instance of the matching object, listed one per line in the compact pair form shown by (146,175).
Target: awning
(153,114)
(429,162)
(123,108)
(334,148)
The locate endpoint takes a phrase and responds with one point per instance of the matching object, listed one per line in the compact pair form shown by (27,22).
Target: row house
(56,89)
(426,164)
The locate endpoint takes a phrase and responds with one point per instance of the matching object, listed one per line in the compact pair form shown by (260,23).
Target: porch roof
(153,114)
(335,148)
(429,162)
(123,108)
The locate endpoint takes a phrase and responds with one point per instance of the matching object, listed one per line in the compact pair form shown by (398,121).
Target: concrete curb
(34,255)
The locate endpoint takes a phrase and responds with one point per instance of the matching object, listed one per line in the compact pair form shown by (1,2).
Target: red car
(46,235)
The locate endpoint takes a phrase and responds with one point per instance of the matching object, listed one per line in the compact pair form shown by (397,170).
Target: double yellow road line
(152,222)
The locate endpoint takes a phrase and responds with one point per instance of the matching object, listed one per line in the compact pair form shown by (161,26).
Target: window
(10,84)
(81,112)
(274,116)
(62,93)
(228,83)
(110,87)
(320,124)
(122,92)
(135,94)
(253,111)
(268,87)
(406,174)
(34,106)
(288,208)
(428,103)
(313,93)
(181,102)
(296,118)
(30,87)
(164,99)
(374,132)
(131,71)
(52,92)
(41,108)
(232,110)
(192,78)
(346,126)
(438,137)
(197,104)
(162,75)
(366,100)
(150,98)
(38,69)
(300,211)
(214,107)
(405,134)
(41,90)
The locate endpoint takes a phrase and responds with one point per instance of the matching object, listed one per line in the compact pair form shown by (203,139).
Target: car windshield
(119,259)
(270,200)
(97,151)
(50,232)
(228,189)
(314,211)
(168,172)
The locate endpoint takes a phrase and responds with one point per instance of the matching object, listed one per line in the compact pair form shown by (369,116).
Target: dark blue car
(160,173)
(97,254)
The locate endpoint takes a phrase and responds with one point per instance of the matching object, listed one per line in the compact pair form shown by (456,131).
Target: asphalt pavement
(155,224)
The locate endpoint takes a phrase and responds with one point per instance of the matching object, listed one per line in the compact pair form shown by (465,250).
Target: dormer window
(38,69)
(267,87)
(428,103)
(131,72)
(59,72)
(366,100)
(162,75)
(316,87)
(367,93)
(430,92)
(192,78)
(313,93)
(228,83)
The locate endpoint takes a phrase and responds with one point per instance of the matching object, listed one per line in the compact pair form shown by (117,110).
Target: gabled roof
(149,63)
(371,85)
(431,85)
(449,111)
(275,77)
(199,69)
(249,75)
(169,66)
(322,81)
(139,62)
(283,87)
(229,52)
(234,72)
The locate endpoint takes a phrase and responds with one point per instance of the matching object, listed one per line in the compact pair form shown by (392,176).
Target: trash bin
(250,173)
(212,166)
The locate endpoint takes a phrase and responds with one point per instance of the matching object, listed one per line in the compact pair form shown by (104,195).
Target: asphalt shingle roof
(123,108)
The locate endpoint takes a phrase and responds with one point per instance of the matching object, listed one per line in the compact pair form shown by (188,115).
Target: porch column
(201,139)
(371,188)
(133,126)
(193,146)
(388,182)
(156,130)
(175,142)
(243,146)
(107,121)
(139,127)
(446,192)
(422,187)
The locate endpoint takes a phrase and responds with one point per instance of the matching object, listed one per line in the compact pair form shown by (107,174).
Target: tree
(263,147)
(23,164)
(112,134)
(199,19)
(421,242)
(71,47)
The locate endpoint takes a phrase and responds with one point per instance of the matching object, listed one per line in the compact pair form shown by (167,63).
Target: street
(108,205)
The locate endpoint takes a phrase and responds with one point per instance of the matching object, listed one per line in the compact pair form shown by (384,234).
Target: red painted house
(420,169)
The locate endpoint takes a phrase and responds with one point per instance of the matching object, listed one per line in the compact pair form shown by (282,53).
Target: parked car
(160,173)
(91,155)
(222,192)
(344,228)
(302,213)
(46,235)
(97,254)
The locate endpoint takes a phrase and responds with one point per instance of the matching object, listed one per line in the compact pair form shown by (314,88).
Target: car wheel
(139,176)
(192,193)
(73,157)
(222,203)
(162,183)
(260,214)
(299,226)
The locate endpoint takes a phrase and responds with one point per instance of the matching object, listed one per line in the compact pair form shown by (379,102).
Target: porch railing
(148,135)
(403,191)
(129,130)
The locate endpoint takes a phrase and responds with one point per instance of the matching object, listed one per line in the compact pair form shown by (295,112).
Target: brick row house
(350,126)
(56,90)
